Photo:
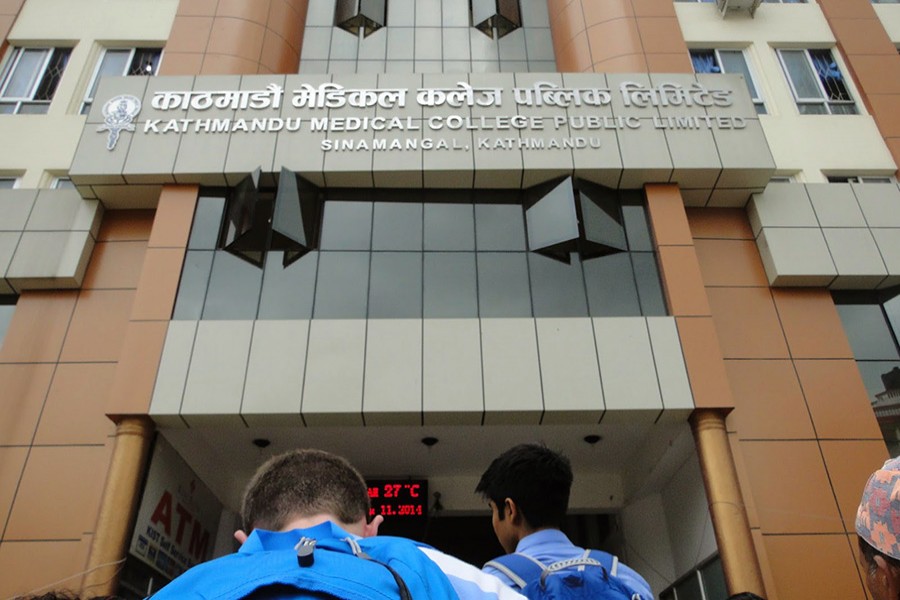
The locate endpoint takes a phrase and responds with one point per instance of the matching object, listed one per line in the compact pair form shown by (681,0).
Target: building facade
(661,236)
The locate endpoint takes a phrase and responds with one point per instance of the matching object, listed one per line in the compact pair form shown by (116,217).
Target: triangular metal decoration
(295,217)
(246,233)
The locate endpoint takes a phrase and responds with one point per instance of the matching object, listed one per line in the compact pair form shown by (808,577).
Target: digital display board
(398,498)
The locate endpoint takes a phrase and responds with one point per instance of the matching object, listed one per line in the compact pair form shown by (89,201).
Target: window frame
(758,101)
(823,100)
(88,100)
(12,178)
(9,69)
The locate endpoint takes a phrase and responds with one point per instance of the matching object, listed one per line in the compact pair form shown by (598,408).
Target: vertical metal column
(726,505)
(118,505)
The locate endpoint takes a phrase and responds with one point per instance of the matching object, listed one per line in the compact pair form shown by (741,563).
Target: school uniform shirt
(552,545)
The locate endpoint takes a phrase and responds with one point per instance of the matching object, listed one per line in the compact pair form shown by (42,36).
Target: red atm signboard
(398,498)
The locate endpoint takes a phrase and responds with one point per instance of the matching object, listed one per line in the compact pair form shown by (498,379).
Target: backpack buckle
(305,548)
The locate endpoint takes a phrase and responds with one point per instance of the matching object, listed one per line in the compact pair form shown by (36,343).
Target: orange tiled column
(57,366)
(873,62)
(617,36)
(803,436)
(688,303)
(227,37)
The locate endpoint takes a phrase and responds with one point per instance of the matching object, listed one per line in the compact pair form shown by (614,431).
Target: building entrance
(471,538)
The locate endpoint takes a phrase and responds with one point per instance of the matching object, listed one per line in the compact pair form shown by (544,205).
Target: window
(117,62)
(860,179)
(816,82)
(872,323)
(7,307)
(62,183)
(7,183)
(706,582)
(728,61)
(30,79)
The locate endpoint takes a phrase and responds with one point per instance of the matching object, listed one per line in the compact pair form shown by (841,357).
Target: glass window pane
(113,65)
(812,109)
(234,287)
(806,84)
(892,308)
(52,74)
(34,108)
(6,314)
(395,289)
(397,226)
(207,223)
(21,83)
(192,288)
(557,288)
(868,332)
(503,285)
(449,284)
(636,228)
(499,227)
(287,292)
(705,61)
(611,287)
(714,581)
(733,62)
(689,589)
(347,226)
(449,227)
(342,285)
(646,273)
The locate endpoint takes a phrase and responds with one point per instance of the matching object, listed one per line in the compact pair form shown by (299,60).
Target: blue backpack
(378,568)
(590,577)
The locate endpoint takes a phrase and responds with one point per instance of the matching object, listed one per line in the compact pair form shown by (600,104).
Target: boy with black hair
(527,488)
(305,512)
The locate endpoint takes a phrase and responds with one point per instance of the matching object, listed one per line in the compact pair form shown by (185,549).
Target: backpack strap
(518,567)
(401,585)
(609,561)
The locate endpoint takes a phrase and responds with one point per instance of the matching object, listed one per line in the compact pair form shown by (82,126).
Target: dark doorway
(472,539)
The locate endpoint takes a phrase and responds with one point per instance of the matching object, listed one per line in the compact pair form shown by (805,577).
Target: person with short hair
(305,512)
(877,530)
(527,488)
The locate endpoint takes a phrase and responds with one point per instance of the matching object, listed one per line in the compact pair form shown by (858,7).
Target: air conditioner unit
(729,6)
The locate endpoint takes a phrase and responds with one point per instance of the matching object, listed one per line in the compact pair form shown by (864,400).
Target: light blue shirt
(551,545)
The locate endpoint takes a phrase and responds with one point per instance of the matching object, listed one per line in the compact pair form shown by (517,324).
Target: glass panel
(449,227)
(882,381)
(636,229)
(812,109)
(287,293)
(113,65)
(395,289)
(27,71)
(449,284)
(34,108)
(552,219)
(704,61)
(892,308)
(342,285)
(52,74)
(234,287)
(806,84)
(397,226)
(192,288)
(7,183)
(145,61)
(503,289)
(646,273)
(714,581)
(557,288)
(830,75)
(689,589)
(733,61)
(347,226)
(499,227)
(611,288)
(6,314)
(868,332)
(207,223)
(843,109)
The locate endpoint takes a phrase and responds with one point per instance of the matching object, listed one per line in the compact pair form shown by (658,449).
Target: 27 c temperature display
(403,498)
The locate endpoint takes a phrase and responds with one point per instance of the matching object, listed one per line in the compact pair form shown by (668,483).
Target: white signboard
(178,518)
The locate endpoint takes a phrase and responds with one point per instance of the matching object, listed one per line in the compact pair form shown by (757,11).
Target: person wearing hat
(878,528)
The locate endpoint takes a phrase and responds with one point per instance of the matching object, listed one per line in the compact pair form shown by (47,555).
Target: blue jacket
(268,560)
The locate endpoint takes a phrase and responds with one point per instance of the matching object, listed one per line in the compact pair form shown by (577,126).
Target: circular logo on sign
(118,114)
